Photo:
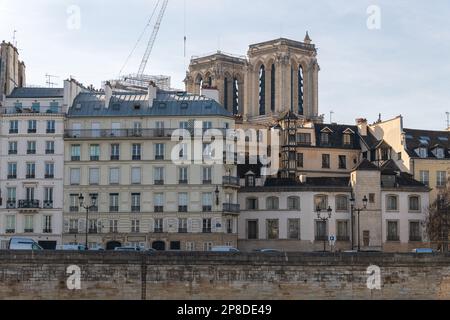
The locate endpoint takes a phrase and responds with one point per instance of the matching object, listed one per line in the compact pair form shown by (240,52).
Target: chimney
(362,126)
(108,93)
(152,91)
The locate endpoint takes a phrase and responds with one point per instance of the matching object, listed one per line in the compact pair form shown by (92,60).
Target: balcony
(231,208)
(95,158)
(31,151)
(159,209)
(113,209)
(13,131)
(10,231)
(30,176)
(11,204)
(136,158)
(32,130)
(29,204)
(31,110)
(118,133)
(12,176)
(50,131)
(231,181)
(50,151)
(12,152)
(159,157)
(136,209)
(48,204)
(75,158)
(115,158)
(182,182)
(159,182)
(28,231)
(207,208)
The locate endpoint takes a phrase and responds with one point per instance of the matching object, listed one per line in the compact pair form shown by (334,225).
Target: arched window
(236,96)
(225,93)
(321,202)
(300,90)
(272,88)
(262,90)
(293,203)
(272,203)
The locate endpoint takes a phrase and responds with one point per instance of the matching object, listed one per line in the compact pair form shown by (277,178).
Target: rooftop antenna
(49,81)
(448,119)
(185,37)
(14,39)
(331,116)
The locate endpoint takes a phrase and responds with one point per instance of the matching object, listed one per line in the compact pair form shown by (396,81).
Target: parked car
(71,247)
(268,251)
(23,244)
(423,250)
(224,249)
(128,249)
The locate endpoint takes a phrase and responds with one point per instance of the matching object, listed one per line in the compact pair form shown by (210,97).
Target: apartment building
(31,162)
(118,156)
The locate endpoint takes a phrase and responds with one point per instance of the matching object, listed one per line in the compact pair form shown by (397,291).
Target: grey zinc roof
(131,104)
(21,93)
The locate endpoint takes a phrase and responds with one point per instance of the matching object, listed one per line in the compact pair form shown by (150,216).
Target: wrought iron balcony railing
(29,204)
(231,208)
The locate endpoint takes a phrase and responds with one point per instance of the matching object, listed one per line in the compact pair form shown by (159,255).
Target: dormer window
(423,152)
(347,139)
(325,138)
(250,179)
(440,154)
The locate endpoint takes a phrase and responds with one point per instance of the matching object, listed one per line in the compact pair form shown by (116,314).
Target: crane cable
(140,38)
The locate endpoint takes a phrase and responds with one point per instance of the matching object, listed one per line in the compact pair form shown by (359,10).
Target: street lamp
(358,210)
(87,207)
(324,219)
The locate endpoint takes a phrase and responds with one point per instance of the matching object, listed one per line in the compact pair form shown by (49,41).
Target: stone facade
(12,70)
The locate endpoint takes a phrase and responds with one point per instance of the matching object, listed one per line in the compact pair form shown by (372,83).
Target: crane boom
(151,42)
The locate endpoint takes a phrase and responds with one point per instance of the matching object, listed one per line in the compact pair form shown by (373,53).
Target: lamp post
(87,207)
(217,192)
(358,210)
(325,219)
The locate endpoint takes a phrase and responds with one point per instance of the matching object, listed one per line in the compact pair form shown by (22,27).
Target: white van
(224,249)
(23,244)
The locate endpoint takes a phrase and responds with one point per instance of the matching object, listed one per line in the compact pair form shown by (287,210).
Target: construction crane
(151,42)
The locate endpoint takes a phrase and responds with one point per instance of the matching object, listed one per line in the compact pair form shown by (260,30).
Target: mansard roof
(130,104)
(31,93)
(336,139)
(429,139)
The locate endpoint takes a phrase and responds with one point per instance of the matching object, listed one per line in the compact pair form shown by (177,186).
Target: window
(182,225)
(31,147)
(73,226)
(113,226)
(159,202)
(342,230)
(135,202)
(183,175)
(159,175)
(230,226)
(392,203)
(114,202)
(115,129)
(32,126)
(159,226)
(159,128)
(36,107)
(94,176)
(272,203)
(440,153)
(175,245)
(74,203)
(29,224)
(321,202)
(12,147)
(135,226)
(190,246)
(371,197)
(207,175)
(207,125)
(304,138)
(136,152)
(392,232)
(321,230)
(252,230)
(414,203)
(342,162)
(293,229)
(250,180)
(47,224)
(293,203)
(10,224)
(12,170)
(385,152)
(207,202)
(49,147)
(441,179)
(184,125)
(136,175)
(76,130)
(207,223)
(183,202)
(95,127)
(341,203)
(114,175)
(115,152)
(49,170)
(51,125)
(299,160)
(347,139)
(207,246)
(325,138)
(75,152)
(252,204)
(159,151)
(94,150)
(31,170)
(30,194)
(13,126)
(326,161)
(94,201)
(425,177)
(11,192)
(54,107)
(272,229)
(415,233)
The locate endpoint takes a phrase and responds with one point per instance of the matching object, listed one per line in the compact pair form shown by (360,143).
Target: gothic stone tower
(278,76)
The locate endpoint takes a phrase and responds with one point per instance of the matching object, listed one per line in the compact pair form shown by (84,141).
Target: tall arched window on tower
(225,93)
(272,88)
(262,90)
(235,96)
(300,90)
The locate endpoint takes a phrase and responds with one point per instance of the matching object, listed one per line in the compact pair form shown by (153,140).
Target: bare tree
(438,220)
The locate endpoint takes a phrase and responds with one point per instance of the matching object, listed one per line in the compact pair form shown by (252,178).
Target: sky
(388,57)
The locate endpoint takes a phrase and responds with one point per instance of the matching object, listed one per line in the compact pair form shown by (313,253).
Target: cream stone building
(31,162)
(118,155)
